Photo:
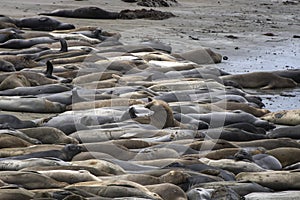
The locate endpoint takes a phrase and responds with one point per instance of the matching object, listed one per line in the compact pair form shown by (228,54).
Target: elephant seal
(155,153)
(30,180)
(163,115)
(285,117)
(36,90)
(143,179)
(199,193)
(42,24)
(66,153)
(184,119)
(247,127)
(282,132)
(20,62)
(16,193)
(218,119)
(264,160)
(84,12)
(257,112)
(168,191)
(185,179)
(16,165)
(201,56)
(14,122)
(285,155)
(9,152)
(233,166)
(240,188)
(276,180)
(6,66)
(34,105)
(114,189)
(34,78)
(26,43)
(105,166)
(11,141)
(284,195)
(13,81)
(20,135)
(203,168)
(290,73)
(269,143)
(49,135)
(211,144)
(70,176)
(263,80)
(232,134)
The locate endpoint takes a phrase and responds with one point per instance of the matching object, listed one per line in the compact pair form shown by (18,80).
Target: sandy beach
(113,118)
(237,29)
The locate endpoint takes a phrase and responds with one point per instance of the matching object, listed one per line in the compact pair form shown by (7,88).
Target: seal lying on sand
(286,117)
(66,154)
(264,160)
(277,180)
(263,80)
(84,12)
(42,24)
(14,122)
(98,13)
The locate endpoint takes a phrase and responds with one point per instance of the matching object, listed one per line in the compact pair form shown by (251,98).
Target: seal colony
(135,121)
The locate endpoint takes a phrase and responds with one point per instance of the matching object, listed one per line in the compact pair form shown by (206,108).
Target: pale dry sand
(204,23)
